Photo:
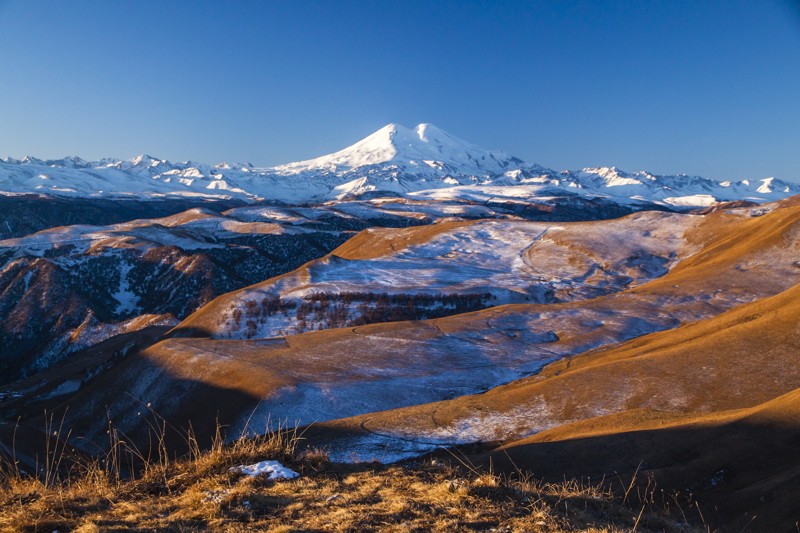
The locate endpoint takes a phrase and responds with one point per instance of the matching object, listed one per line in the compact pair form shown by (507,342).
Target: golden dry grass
(200,493)
(377,242)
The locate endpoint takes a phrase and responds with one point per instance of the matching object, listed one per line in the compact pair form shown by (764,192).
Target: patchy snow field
(499,261)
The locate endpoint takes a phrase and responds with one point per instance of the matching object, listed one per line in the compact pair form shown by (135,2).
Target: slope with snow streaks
(57,283)
(447,268)
(173,264)
(737,359)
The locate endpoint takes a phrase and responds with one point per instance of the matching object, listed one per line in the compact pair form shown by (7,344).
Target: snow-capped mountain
(423,162)
(425,151)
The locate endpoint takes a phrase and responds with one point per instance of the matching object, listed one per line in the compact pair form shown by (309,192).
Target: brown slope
(740,466)
(739,359)
(377,242)
(711,409)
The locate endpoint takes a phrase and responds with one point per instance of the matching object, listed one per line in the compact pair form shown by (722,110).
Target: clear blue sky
(709,88)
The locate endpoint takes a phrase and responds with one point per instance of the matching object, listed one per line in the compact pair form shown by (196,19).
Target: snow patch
(67,387)
(271,469)
(128,300)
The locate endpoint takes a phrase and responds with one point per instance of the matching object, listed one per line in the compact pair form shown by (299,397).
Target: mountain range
(425,162)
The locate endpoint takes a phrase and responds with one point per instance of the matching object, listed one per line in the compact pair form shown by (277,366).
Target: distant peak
(143,158)
(30,160)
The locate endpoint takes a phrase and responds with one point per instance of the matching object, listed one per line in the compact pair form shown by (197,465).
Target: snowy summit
(425,149)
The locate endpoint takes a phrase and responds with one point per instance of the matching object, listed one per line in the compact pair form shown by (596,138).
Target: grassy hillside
(199,492)
(740,465)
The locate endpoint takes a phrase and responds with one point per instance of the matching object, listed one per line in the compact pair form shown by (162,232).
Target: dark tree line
(321,310)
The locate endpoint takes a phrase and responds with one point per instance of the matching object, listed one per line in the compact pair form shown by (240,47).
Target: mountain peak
(425,149)
(145,160)
(420,130)
(30,160)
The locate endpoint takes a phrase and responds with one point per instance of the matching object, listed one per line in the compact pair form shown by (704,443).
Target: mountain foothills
(424,162)
(410,294)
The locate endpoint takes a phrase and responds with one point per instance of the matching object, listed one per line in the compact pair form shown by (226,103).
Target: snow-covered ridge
(425,162)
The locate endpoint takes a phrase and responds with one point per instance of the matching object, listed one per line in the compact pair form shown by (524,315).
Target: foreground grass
(199,492)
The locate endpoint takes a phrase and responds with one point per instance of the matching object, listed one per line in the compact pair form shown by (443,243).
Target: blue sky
(703,87)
